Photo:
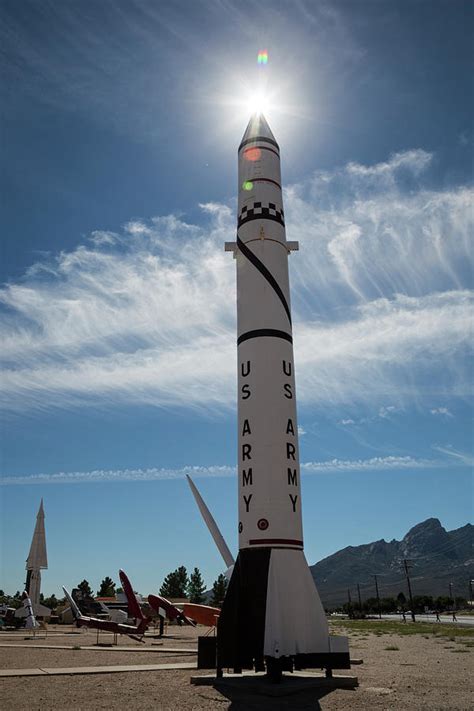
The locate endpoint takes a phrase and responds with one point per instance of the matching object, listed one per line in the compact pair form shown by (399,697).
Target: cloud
(386,411)
(380,290)
(459,457)
(215,471)
(384,349)
(441,411)
(372,464)
(113,475)
(414,161)
(346,422)
(301,431)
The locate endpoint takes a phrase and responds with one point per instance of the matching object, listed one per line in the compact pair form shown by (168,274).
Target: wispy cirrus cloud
(441,411)
(464,458)
(381,295)
(216,471)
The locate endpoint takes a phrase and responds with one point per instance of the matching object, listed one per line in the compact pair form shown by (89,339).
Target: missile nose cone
(258,128)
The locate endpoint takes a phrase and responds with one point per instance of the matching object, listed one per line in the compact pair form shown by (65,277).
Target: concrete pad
(101,648)
(58,671)
(22,672)
(42,633)
(290,684)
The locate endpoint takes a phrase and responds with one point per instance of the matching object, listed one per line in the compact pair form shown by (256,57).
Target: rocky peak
(424,537)
(438,556)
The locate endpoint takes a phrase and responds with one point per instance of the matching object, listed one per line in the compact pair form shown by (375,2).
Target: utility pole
(378,596)
(453,602)
(360,601)
(349,603)
(406,565)
(470,591)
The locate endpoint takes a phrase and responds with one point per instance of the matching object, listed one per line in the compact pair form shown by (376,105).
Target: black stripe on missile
(259,332)
(265,273)
(275,541)
(259,139)
(264,180)
(264,215)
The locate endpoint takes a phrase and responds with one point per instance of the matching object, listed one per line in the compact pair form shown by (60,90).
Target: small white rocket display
(272,615)
(28,612)
(37,558)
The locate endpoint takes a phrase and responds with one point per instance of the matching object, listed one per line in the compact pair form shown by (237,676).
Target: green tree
(86,590)
(176,583)
(219,590)
(401,599)
(16,601)
(51,602)
(196,587)
(107,588)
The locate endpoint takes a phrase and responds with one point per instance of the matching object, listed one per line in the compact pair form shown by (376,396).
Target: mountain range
(436,557)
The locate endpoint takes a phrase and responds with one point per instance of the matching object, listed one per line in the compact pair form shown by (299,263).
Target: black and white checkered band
(257,211)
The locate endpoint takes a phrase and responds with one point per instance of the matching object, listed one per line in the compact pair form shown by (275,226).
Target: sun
(257,103)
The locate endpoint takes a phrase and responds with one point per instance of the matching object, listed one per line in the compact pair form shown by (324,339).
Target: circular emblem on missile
(262,524)
(241,528)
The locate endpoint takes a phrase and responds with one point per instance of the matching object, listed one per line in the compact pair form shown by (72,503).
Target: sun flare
(257,103)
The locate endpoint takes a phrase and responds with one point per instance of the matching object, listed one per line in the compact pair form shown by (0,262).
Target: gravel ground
(399,672)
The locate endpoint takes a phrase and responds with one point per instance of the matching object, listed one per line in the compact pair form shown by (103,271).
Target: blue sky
(120,127)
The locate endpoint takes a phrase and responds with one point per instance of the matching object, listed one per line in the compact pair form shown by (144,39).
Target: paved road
(462,620)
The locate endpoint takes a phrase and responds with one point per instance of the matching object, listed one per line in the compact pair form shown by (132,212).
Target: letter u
(243,366)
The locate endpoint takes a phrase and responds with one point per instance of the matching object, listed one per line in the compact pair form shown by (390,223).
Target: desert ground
(430,669)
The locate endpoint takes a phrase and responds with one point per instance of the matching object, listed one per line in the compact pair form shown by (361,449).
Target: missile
(272,616)
(222,546)
(37,560)
(28,609)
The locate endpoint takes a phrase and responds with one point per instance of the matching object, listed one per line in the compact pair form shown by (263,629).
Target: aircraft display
(162,605)
(136,632)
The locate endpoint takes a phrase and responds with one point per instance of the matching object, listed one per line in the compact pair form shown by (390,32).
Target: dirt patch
(420,675)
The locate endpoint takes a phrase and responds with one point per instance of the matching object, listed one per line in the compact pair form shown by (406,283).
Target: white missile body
(269,486)
(222,546)
(37,560)
(271,567)
(28,612)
